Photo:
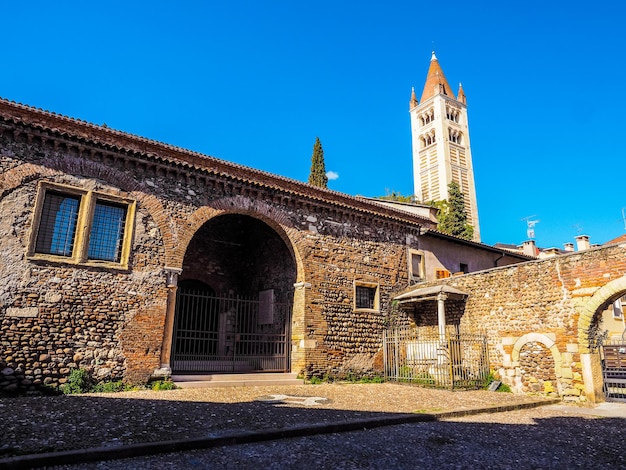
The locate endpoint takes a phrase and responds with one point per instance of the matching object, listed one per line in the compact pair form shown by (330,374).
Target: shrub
(111,387)
(315,380)
(77,382)
(162,385)
(492,377)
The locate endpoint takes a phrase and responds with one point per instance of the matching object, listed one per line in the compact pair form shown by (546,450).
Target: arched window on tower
(452,114)
(454,136)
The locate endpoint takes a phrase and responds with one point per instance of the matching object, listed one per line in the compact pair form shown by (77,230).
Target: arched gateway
(234,301)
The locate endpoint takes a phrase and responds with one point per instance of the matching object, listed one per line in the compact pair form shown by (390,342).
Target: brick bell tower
(441,144)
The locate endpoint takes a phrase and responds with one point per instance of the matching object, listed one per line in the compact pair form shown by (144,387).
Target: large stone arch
(590,358)
(595,304)
(281,225)
(272,216)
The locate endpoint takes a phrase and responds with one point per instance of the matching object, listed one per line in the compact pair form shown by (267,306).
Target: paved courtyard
(131,423)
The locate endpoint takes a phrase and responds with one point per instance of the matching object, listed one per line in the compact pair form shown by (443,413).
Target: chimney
(529,248)
(582,242)
(568,246)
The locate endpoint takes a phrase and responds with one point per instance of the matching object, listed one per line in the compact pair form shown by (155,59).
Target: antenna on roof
(530,226)
(624,217)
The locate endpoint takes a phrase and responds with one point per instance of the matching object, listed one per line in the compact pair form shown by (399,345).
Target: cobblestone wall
(539,316)
(56,316)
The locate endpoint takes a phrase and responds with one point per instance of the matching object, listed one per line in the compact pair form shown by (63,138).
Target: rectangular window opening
(57,226)
(107,232)
(365,297)
(80,227)
(416,265)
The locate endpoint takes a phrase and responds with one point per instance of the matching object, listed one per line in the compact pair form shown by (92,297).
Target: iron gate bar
(613,360)
(224,334)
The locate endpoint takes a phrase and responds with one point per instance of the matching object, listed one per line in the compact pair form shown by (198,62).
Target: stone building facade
(98,229)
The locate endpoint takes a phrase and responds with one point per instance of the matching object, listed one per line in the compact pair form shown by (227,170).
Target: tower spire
(461,95)
(413,103)
(436,82)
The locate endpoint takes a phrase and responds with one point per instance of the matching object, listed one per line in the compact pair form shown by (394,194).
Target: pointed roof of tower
(413,103)
(435,81)
(461,94)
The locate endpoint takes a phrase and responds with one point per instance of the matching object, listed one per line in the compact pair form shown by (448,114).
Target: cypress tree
(318,177)
(453,218)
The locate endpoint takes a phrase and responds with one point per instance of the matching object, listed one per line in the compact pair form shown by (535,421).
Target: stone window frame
(376,298)
(421,274)
(88,199)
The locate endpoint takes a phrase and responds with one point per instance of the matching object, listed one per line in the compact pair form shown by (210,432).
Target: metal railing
(423,356)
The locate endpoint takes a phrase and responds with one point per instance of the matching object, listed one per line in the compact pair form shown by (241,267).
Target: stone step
(235,380)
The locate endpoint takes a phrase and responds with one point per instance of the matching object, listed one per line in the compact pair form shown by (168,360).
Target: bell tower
(441,144)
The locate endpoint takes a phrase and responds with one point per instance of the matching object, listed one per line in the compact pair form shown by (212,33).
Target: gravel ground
(46,424)
(536,438)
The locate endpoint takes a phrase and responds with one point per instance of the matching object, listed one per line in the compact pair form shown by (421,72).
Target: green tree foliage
(452,215)
(396,196)
(318,177)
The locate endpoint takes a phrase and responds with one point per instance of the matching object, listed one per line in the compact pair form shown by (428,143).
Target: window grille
(107,232)
(365,297)
(57,227)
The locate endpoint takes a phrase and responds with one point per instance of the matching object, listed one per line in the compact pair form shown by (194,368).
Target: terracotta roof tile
(435,81)
(106,137)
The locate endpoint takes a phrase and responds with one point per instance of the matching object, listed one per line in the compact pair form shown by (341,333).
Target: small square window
(80,226)
(365,296)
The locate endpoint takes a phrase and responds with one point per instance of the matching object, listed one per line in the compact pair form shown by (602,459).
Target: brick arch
(272,216)
(17,176)
(548,343)
(593,306)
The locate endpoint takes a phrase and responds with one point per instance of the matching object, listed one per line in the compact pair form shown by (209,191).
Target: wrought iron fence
(613,355)
(424,357)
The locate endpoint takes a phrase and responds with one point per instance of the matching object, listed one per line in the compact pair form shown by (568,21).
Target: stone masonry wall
(344,341)
(56,316)
(534,309)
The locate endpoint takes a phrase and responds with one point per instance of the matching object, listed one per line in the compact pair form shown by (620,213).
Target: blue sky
(255,82)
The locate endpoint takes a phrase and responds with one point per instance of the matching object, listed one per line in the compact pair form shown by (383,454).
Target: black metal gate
(613,355)
(230,334)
